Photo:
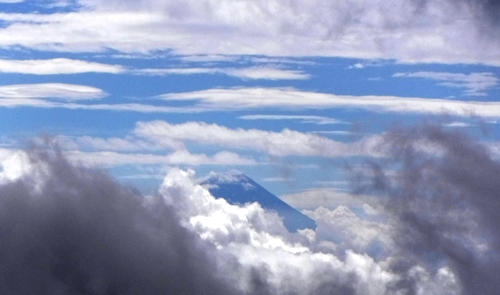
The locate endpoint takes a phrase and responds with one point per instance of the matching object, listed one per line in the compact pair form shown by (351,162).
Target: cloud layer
(254,98)
(284,143)
(409,31)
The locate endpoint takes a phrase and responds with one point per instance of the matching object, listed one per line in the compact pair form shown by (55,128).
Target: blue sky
(286,93)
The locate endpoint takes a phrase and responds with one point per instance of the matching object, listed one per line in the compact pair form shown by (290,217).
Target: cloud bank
(69,230)
(74,230)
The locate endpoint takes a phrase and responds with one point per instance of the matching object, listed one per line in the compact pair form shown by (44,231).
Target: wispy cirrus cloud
(474,84)
(126,144)
(56,66)
(220,99)
(60,91)
(180,157)
(255,98)
(267,73)
(304,119)
(217,58)
(250,73)
(118,107)
(68,96)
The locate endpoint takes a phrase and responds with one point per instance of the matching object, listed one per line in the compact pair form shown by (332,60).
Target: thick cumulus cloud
(67,230)
(340,230)
(70,230)
(445,198)
(270,260)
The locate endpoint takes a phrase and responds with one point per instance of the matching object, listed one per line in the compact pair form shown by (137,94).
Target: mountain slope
(237,188)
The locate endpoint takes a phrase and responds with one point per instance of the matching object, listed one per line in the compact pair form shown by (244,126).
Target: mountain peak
(213,180)
(237,188)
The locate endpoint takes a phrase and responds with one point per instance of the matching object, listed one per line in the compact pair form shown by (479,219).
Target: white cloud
(41,95)
(277,179)
(58,95)
(175,71)
(122,107)
(457,124)
(280,60)
(253,98)
(125,107)
(210,58)
(13,164)
(332,183)
(475,84)
(56,66)
(115,151)
(23,102)
(250,241)
(110,144)
(284,143)
(214,58)
(11,1)
(252,73)
(357,66)
(267,73)
(181,157)
(335,132)
(353,232)
(29,92)
(57,4)
(251,250)
(368,63)
(257,239)
(70,66)
(439,32)
(327,198)
(304,119)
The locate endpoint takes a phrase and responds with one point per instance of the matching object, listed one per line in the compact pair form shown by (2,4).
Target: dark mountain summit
(237,188)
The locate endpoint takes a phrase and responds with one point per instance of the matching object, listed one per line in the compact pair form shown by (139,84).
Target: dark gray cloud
(485,12)
(82,233)
(67,230)
(445,197)
(486,8)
